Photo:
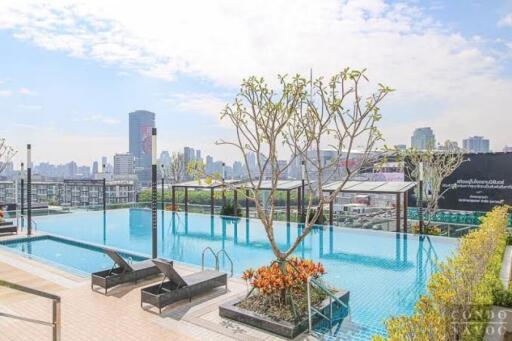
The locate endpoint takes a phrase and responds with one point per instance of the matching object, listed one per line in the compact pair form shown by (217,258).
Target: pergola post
(173,198)
(299,200)
(398,212)
(247,203)
(331,209)
(212,201)
(287,205)
(406,204)
(186,199)
(235,202)
(223,196)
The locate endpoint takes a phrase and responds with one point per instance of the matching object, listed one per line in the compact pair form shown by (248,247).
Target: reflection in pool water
(385,272)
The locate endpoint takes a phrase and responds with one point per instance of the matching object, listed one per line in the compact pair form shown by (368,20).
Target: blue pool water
(70,255)
(385,272)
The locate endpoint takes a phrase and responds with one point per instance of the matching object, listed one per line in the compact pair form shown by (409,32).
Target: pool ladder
(312,282)
(216,256)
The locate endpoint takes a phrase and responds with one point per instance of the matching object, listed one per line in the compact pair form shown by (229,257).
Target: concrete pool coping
(90,316)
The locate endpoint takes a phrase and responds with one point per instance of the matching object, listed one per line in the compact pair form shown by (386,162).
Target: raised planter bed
(287,329)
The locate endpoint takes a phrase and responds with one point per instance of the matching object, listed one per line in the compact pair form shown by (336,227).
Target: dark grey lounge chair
(178,288)
(123,272)
(8,227)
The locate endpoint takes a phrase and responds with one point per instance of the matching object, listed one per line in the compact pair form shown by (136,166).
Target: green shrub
(503,297)
(229,210)
(461,294)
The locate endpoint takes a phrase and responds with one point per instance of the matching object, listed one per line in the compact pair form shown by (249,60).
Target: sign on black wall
(480,183)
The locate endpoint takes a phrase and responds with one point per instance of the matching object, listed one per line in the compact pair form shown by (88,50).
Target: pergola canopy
(377,187)
(266,185)
(203,184)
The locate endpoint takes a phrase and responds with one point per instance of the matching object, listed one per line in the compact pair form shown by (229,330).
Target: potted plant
(228,211)
(273,291)
(301,116)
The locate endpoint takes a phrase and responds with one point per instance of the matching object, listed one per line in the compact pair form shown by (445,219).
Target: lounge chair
(123,272)
(178,288)
(8,227)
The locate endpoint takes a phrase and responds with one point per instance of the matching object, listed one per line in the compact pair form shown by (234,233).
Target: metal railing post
(56,321)
(310,321)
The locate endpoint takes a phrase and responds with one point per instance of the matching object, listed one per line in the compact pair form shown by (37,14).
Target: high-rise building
(104,163)
(95,167)
(198,155)
(188,156)
(165,158)
(209,165)
(237,170)
(71,169)
(476,144)
(423,138)
(251,163)
(141,125)
(84,172)
(124,164)
(507,149)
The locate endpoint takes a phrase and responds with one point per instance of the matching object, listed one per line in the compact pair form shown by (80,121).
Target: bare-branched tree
(176,169)
(6,154)
(196,170)
(437,166)
(300,118)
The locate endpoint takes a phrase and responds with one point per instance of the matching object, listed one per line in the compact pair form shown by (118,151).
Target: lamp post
(153,195)
(163,183)
(223,188)
(29,189)
(22,181)
(104,189)
(303,186)
(420,206)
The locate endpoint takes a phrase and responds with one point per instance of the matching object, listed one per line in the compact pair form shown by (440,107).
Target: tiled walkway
(87,315)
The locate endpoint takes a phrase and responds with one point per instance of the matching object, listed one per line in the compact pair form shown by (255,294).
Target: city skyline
(142,68)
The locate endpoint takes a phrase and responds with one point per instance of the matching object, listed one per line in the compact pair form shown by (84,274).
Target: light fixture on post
(29,189)
(22,182)
(153,195)
(103,166)
(163,184)
(223,187)
(420,195)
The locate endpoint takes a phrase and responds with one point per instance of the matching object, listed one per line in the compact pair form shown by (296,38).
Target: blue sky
(70,71)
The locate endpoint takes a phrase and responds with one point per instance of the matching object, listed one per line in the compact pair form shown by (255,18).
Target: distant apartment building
(423,138)
(507,149)
(95,167)
(400,147)
(476,144)
(238,171)
(124,164)
(448,145)
(141,124)
(70,192)
(165,158)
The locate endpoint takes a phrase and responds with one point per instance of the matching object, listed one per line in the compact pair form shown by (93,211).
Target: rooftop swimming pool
(73,256)
(385,272)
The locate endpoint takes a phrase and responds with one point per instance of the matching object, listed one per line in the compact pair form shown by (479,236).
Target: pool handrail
(227,256)
(56,311)
(214,255)
(312,310)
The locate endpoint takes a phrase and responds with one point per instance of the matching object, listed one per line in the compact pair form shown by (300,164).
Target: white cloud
(506,21)
(228,40)
(203,103)
(100,119)
(30,107)
(26,91)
